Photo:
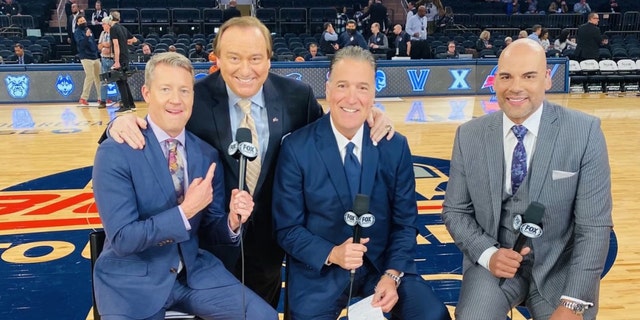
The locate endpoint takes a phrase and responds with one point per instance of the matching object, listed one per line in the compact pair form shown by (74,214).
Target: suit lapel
(547,135)
(369,163)
(494,150)
(193,153)
(274,120)
(158,164)
(328,150)
(222,122)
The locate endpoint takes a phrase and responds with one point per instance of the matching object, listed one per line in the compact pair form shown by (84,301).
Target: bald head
(522,79)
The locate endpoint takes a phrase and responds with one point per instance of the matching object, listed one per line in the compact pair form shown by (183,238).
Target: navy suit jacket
(311,195)
(137,269)
(290,105)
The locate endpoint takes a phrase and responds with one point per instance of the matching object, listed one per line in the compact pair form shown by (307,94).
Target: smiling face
(243,59)
(350,94)
(168,91)
(520,87)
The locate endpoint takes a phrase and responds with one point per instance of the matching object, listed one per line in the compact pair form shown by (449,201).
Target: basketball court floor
(47,209)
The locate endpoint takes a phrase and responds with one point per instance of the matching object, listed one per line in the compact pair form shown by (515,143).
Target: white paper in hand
(362,310)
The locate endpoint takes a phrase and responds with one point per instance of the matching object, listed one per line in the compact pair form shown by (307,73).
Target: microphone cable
(352,276)
(244,305)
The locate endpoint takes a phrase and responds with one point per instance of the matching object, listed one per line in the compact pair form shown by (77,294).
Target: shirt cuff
(187,225)
(485,257)
(590,304)
(232,234)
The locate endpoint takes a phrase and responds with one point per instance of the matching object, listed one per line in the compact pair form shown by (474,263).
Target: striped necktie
(253,167)
(176,168)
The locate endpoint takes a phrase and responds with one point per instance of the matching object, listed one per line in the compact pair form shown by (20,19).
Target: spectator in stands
(11,8)
(451,52)
(507,41)
(120,39)
(378,42)
(172,48)
(313,52)
(377,13)
(432,13)
(544,40)
(411,10)
(329,39)
(483,42)
(358,17)
(581,7)
(20,56)
(536,30)
(564,43)
(604,43)
(198,53)
(214,62)
(351,37)
(231,12)
(341,20)
(402,47)
(513,7)
(588,39)
(553,7)
(523,34)
(147,52)
(612,7)
(73,12)
(417,29)
(564,7)
(98,15)
(444,20)
(106,57)
(90,60)
(532,6)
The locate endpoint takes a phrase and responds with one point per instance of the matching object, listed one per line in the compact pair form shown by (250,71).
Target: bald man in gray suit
(557,275)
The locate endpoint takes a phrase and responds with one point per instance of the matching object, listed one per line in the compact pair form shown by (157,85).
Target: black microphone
(359,217)
(529,227)
(244,150)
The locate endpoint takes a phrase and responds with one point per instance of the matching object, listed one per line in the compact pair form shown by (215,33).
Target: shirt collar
(532,123)
(343,141)
(161,135)
(257,99)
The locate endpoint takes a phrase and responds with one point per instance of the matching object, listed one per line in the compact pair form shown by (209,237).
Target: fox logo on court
(17,86)
(64,84)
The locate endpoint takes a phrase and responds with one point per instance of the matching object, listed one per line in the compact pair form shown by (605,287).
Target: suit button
(173,270)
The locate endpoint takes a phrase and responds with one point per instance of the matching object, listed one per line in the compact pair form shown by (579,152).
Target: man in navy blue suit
(154,202)
(312,193)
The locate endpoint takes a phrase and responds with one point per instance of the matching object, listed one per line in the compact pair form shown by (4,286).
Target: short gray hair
(172,59)
(355,53)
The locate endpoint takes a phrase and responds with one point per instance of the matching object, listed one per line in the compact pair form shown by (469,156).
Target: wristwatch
(577,308)
(395,278)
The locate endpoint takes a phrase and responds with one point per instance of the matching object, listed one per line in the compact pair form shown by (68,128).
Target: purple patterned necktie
(519,160)
(176,168)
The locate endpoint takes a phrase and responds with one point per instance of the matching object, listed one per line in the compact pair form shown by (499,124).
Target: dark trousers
(125,91)
(420,49)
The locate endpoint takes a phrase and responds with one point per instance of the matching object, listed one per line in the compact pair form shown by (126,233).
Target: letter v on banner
(418,80)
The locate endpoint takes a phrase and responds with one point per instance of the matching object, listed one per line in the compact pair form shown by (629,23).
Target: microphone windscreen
(243,135)
(361,204)
(534,213)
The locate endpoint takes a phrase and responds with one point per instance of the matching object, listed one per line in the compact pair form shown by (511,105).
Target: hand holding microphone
(243,150)
(505,262)
(359,218)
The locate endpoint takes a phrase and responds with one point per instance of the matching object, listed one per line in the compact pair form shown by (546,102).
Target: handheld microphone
(244,150)
(359,217)
(529,227)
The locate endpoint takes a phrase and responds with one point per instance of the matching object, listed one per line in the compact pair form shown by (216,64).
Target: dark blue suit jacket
(137,269)
(311,195)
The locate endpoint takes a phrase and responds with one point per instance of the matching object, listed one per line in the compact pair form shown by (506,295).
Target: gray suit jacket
(569,174)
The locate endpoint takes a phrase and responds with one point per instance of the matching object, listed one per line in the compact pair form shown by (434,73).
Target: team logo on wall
(17,86)
(295,75)
(200,76)
(488,81)
(64,84)
(381,80)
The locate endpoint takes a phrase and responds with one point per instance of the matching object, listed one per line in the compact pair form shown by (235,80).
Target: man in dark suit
(73,12)
(279,105)
(231,11)
(19,56)
(588,39)
(532,150)
(153,203)
(313,190)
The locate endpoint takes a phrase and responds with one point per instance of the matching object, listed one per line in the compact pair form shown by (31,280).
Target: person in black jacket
(588,39)
(19,56)
(231,11)
(90,59)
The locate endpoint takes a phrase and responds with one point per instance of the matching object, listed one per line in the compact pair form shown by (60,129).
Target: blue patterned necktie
(176,168)
(352,169)
(519,160)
